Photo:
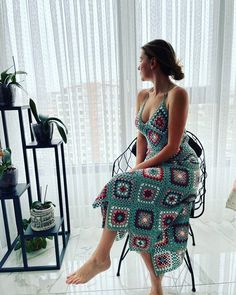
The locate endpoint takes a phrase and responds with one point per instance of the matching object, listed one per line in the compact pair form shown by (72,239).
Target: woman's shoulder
(142,95)
(178,90)
(177,94)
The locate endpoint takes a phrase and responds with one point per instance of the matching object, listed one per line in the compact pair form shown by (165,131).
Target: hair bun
(177,72)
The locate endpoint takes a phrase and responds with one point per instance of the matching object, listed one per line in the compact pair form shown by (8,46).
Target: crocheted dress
(153,205)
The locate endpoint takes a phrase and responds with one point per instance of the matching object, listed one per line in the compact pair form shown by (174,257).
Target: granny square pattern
(172,198)
(181,232)
(153,136)
(139,242)
(179,177)
(122,188)
(162,239)
(160,121)
(144,219)
(163,261)
(102,195)
(148,193)
(118,217)
(153,205)
(166,219)
(154,173)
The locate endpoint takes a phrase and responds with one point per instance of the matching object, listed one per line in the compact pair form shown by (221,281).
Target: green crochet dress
(153,205)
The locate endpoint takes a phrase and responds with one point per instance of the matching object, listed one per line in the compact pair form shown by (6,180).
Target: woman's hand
(132,170)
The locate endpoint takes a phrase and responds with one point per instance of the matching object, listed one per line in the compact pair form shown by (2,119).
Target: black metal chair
(127,160)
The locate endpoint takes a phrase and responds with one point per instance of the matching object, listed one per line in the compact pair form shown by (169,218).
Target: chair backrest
(199,203)
(126,161)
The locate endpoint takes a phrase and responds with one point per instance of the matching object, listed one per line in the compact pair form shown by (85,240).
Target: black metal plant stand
(62,227)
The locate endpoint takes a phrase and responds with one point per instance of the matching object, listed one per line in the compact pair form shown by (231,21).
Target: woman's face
(144,67)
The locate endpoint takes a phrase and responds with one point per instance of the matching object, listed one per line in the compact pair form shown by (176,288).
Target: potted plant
(8,86)
(32,244)
(8,173)
(42,215)
(43,129)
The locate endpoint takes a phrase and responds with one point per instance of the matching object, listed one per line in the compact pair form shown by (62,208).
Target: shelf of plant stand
(14,108)
(14,192)
(51,232)
(35,145)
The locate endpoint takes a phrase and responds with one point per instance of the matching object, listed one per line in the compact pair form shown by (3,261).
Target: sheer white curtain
(76,55)
(203,34)
(81,58)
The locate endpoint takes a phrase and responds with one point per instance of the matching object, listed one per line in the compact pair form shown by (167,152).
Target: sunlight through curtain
(81,58)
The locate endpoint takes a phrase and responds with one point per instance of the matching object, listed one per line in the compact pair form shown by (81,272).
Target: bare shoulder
(178,95)
(142,94)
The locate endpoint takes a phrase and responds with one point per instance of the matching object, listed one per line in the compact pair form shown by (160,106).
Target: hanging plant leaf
(34,110)
(43,118)
(54,119)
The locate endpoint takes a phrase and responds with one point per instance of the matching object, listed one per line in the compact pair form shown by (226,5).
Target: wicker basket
(42,219)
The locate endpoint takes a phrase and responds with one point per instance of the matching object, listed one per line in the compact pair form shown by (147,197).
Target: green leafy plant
(46,121)
(35,243)
(32,244)
(38,205)
(41,206)
(5,161)
(9,78)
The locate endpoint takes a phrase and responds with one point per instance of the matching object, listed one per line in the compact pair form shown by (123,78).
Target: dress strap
(165,96)
(143,104)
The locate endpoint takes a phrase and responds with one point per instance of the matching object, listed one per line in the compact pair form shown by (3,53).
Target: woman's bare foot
(89,270)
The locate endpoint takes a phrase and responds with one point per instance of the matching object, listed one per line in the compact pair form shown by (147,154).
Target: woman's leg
(98,262)
(155,280)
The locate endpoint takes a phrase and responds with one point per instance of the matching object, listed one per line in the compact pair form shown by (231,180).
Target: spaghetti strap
(166,94)
(143,104)
(164,98)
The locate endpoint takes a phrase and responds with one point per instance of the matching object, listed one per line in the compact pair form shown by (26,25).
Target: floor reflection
(214,263)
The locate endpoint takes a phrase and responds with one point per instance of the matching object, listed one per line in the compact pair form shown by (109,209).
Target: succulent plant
(9,78)
(46,121)
(5,161)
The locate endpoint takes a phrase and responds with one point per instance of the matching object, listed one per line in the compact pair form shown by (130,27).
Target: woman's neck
(162,84)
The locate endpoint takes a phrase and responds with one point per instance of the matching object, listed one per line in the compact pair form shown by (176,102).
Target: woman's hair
(166,58)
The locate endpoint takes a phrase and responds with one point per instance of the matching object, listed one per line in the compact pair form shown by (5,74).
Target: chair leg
(189,265)
(192,234)
(123,254)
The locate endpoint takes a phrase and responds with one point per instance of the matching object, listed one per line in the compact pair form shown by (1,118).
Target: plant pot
(41,135)
(9,178)
(7,95)
(42,219)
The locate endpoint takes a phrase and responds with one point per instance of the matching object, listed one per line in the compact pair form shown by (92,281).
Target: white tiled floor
(214,262)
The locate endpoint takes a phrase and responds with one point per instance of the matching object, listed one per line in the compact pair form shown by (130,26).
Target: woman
(152,202)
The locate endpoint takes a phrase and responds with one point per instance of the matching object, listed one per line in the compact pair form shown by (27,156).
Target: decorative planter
(42,219)
(41,135)
(7,95)
(9,179)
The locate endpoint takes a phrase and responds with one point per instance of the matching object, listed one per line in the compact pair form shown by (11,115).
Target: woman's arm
(141,144)
(141,148)
(178,111)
